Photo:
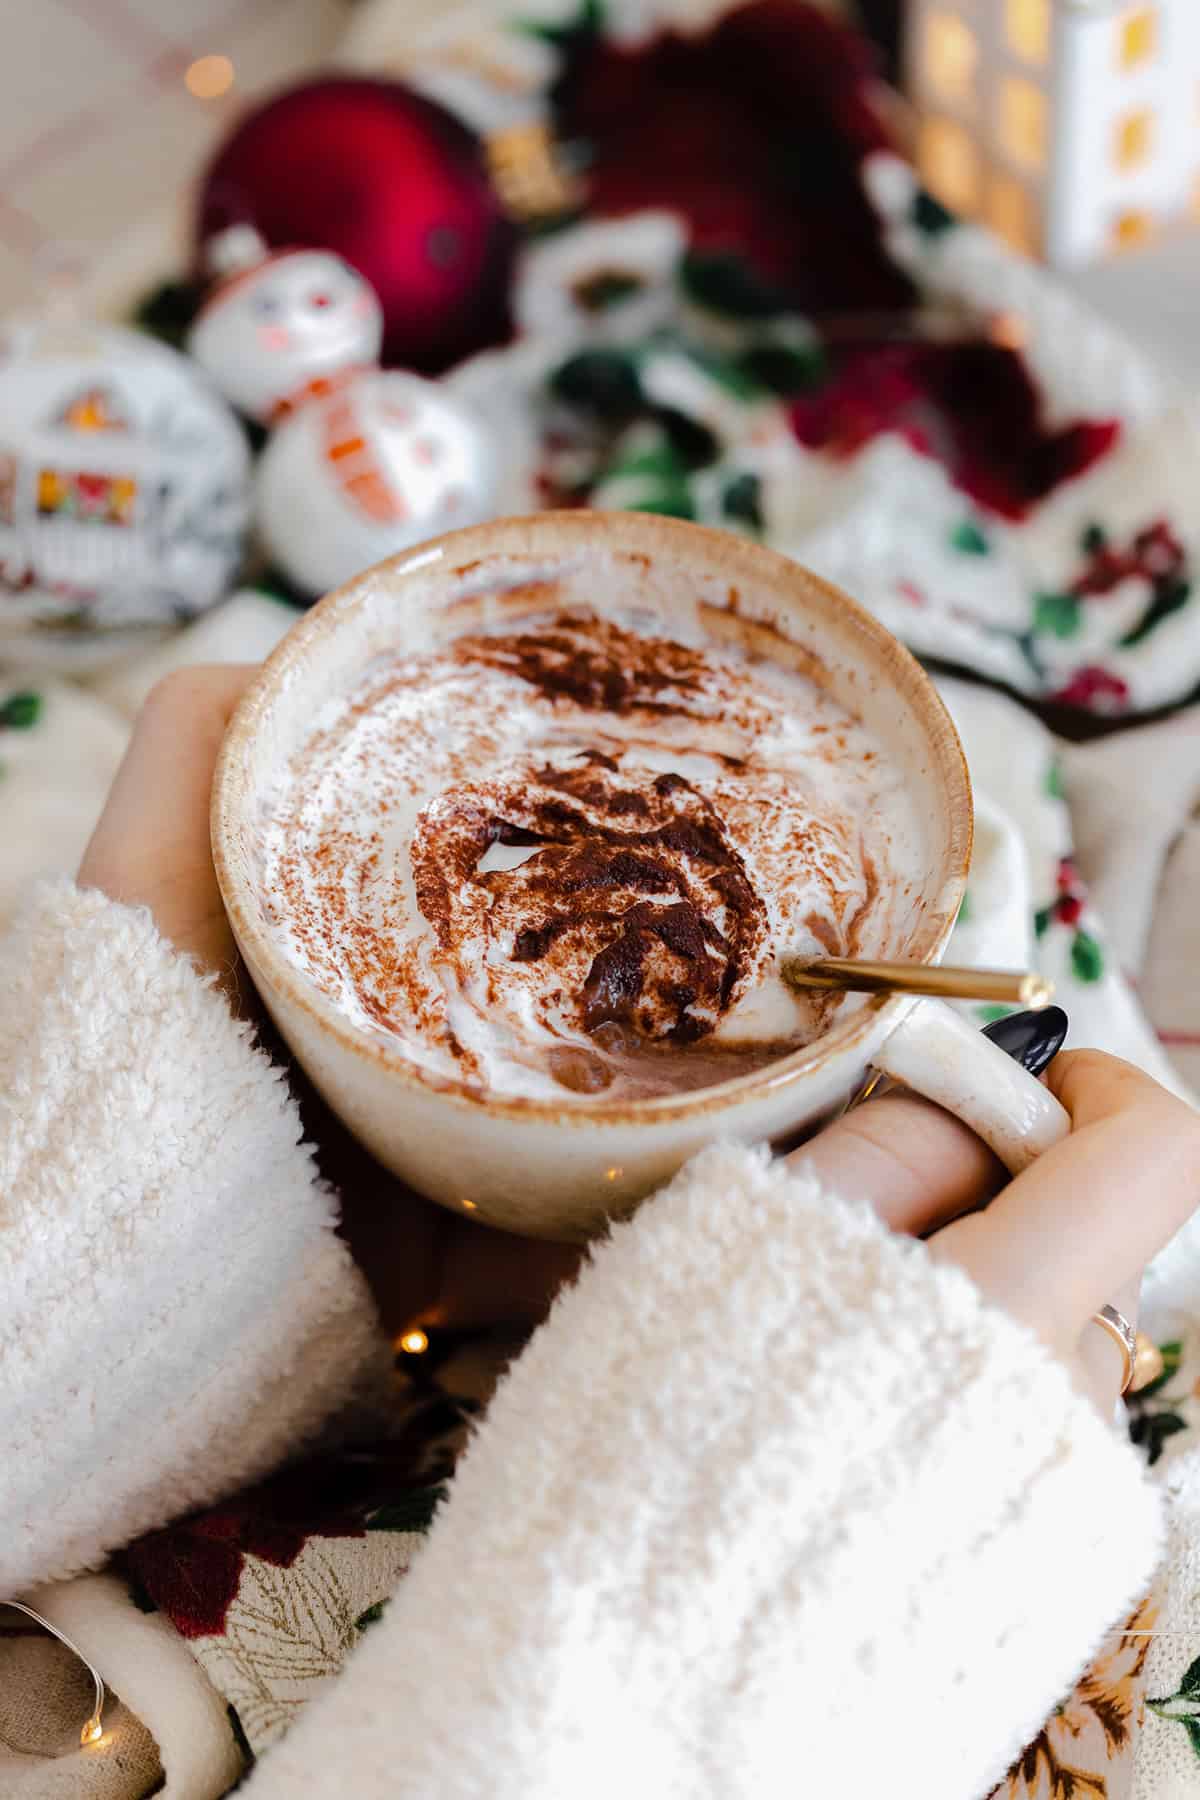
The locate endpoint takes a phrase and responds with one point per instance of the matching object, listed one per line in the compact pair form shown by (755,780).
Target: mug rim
(654,533)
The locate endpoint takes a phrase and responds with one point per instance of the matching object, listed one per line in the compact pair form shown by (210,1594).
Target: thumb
(151,845)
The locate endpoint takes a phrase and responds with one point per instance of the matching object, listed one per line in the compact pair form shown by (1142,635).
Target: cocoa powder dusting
(530,888)
(593,663)
(637,897)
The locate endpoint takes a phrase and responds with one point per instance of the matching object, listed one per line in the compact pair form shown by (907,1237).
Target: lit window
(1010,213)
(1139,36)
(949,164)
(1130,229)
(1023,122)
(1134,135)
(1029,29)
(951,54)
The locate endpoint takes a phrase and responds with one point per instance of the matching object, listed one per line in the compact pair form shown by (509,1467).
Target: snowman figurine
(361,462)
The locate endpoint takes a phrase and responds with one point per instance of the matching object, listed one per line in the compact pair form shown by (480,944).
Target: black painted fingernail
(1033,1039)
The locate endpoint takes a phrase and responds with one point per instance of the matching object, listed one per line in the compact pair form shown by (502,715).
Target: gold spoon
(1003,987)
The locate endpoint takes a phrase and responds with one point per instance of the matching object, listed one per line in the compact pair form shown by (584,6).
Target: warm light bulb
(93,1731)
(469,1205)
(1029,27)
(1024,126)
(414,1342)
(949,164)
(951,56)
(1138,37)
(1011,215)
(1130,229)
(1134,139)
(1009,331)
(208,77)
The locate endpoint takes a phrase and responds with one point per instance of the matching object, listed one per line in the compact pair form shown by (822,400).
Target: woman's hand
(151,847)
(1073,1233)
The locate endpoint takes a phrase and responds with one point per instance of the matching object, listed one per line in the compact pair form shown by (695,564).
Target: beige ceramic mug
(559,1170)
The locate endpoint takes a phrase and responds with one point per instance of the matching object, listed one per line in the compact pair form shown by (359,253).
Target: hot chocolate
(562,858)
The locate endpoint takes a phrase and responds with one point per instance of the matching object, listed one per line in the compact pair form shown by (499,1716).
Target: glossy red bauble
(390,181)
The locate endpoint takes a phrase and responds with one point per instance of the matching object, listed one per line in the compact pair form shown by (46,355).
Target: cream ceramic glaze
(555,1168)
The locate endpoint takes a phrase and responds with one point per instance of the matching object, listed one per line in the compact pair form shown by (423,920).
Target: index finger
(916,1164)
(1088,1216)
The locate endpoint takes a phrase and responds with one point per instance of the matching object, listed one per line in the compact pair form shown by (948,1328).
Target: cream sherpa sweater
(175,1311)
(771,1505)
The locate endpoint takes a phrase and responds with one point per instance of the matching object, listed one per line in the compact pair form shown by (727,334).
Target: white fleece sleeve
(176,1312)
(773,1505)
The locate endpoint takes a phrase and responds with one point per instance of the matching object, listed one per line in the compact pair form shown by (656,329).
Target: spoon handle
(1014,987)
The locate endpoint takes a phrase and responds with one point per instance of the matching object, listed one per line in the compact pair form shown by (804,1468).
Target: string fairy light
(92,1729)
(209,77)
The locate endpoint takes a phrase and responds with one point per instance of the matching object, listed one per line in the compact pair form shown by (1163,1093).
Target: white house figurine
(1071,127)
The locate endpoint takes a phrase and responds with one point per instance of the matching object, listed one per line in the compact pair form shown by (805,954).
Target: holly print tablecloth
(758,320)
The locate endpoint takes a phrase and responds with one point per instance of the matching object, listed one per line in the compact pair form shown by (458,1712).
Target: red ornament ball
(392,182)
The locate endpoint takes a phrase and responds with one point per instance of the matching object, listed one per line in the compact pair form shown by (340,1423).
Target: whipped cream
(563,859)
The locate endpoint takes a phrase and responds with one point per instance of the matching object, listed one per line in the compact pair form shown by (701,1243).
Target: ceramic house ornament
(1071,127)
(361,462)
(124,491)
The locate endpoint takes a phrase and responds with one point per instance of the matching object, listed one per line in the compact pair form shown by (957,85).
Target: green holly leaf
(657,462)
(21,711)
(930,216)
(604,383)
(372,1616)
(1190,1685)
(1176,1706)
(167,312)
(727,372)
(1052,780)
(1026,643)
(276,594)
(742,500)
(992,1014)
(969,539)
(1042,920)
(1058,615)
(671,503)
(725,283)
(785,369)
(138,1594)
(572,34)
(1169,597)
(695,445)
(1150,1432)
(1172,1355)
(408,1512)
(1087,957)
(653,477)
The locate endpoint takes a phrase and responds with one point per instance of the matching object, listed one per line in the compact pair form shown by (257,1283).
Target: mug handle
(934,1051)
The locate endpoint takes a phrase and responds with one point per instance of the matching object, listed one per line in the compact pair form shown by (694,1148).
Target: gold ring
(1122,1333)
